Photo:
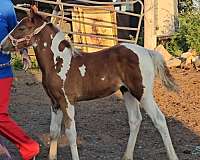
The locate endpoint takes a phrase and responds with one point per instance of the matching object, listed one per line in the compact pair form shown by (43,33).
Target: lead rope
(5,64)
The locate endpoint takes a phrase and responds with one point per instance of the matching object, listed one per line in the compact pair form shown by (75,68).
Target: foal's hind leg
(71,133)
(135,118)
(55,128)
(159,121)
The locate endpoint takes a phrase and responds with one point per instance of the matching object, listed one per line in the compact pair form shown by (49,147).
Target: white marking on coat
(51,36)
(35,44)
(103,78)
(145,62)
(45,44)
(56,120)
(82,70)
(65,54)
(71,132)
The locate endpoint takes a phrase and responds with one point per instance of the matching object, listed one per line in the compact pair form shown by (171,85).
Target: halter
(27,38)
(5,64)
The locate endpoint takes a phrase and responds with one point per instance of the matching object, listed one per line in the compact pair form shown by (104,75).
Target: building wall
(166,12)
(160,20)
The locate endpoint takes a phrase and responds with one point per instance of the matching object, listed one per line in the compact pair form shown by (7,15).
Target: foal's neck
(42,48)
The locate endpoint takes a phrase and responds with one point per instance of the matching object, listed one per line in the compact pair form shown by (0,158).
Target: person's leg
(9,128)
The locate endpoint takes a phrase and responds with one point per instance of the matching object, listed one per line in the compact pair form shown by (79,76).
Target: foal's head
(23,34)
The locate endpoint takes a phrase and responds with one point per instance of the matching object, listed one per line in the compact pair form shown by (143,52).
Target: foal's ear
(33,11)
(33,14)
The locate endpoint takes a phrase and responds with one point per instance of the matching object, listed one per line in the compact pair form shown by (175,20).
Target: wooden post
(149,24)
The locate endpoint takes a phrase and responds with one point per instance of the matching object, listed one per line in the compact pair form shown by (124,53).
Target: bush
(34,64)
(188,35)
(17,62)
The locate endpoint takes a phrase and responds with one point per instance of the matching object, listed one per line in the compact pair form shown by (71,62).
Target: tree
(188,5)
(187,37)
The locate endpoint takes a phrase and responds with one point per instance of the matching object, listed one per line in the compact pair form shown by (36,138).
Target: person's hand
(26,60)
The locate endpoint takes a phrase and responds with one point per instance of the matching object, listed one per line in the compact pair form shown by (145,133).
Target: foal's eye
(22,28)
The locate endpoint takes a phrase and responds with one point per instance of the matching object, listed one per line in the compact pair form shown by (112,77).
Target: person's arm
(11,18)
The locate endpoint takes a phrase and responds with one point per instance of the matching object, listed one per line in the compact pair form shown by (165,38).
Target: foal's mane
(37,16)
(75,52)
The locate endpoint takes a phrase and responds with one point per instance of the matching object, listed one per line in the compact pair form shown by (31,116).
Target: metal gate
(94,25)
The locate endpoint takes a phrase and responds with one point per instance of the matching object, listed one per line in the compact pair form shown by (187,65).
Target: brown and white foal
(69,76)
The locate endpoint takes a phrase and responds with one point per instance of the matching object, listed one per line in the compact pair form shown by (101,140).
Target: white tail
(162,70)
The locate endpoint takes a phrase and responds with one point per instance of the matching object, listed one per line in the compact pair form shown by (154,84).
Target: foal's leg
(55,128)
(158,118)
(71,133)
(135,118)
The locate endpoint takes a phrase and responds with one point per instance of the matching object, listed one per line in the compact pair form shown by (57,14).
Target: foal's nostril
(6,45)
(5,48)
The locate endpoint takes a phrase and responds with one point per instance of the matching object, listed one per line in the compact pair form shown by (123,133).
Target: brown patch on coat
(130,69)
(63,44)
(117,65)
(59,64)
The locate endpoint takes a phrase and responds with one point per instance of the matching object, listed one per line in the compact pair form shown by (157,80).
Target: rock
(189,56)
(196,62)
(196,150)
(170,60)
(187,151)
(191,52)
(161,49)
(173,62)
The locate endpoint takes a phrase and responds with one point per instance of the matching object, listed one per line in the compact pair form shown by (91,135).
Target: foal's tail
(161,69)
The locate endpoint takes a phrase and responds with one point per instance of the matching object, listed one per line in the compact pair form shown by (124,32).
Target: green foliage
(17,62)
(185,5)
(34,64)
(188,35)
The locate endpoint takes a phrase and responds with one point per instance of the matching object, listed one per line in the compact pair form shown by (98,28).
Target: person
(28,148)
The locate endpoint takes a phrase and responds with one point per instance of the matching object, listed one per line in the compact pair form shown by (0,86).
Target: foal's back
(99,74)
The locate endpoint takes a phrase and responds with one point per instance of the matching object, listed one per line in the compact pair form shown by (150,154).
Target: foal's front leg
(55,129)
(63,102)
(71,133)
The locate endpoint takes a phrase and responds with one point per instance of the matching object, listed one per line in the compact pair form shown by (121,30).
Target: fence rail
(64,17)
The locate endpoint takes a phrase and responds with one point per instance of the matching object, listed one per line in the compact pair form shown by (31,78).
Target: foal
(69,76)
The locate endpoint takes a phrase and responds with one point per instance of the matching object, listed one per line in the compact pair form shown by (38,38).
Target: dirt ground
(102,124)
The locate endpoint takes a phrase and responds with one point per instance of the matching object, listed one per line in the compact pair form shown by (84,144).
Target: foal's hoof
(126,158)
(52,158)
(174,158)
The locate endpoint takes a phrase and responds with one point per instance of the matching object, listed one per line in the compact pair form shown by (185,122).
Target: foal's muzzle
(6,47)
